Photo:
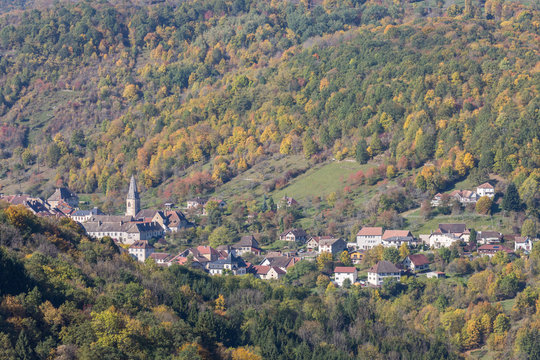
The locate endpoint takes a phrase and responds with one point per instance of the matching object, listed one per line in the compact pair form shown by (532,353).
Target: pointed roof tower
(133,193)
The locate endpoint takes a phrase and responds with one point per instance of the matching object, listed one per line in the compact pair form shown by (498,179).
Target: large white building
(369,237)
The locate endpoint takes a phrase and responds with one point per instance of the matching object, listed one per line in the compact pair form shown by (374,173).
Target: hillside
(64,296)
(194,95)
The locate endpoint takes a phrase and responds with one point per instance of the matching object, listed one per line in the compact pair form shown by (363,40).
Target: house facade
(333,246)
(491,249)
(65,195)
(269,272)
(394,238)
(486,189)
(382,271)
(416,262)
(369,237)
(82,216)
(447,234)
(247,245)
(488,237)
(341,273)
(141,250)
(232,264)
(523,243)
(294,235)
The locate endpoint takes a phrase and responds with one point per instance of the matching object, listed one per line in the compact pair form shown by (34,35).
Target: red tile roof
(370,231)
(344,269)
(396,233)
(419,259)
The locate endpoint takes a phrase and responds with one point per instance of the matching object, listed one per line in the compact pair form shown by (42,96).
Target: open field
(321,180)
(418,225)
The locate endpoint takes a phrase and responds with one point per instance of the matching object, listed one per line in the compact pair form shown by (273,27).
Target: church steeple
(133,202)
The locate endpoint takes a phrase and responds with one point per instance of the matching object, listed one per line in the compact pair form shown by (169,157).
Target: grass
(483,354)
(252,180)
(507,305)
(320,180)
(418,225)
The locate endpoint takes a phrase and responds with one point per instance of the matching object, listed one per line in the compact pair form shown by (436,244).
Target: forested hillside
(191,95)
(63,296)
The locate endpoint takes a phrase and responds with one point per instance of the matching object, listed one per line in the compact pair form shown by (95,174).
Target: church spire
(133,193)
(133,202)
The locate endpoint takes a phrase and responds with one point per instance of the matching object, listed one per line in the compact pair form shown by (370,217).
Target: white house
(416,262)
(369,237)
(345,272)
(486,189)
(333,246)
(161,258)
(397,237)
(523,243)
(488,237)
(381,271)
(447,234)
(269,272)
(233,264)
(141,250)
(85,215)
(296,235)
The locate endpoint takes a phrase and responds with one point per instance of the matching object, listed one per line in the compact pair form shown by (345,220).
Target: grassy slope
(479,222)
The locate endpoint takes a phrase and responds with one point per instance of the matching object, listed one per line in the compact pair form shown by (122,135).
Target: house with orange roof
(341,273)
(369,237)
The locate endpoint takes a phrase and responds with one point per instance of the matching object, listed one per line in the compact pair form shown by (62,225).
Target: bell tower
(133,202)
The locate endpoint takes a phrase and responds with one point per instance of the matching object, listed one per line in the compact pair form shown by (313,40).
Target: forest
(193,95)
(65,296)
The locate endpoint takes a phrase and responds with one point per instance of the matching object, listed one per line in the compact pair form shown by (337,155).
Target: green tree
(511,200)
(345,258)
(220,236)
(6,349)
(529,228)
(361,153)
(501,324)
(404,250)
(323,259)
(53,154)
(483,205)
(322,281)
(23,350)
(309,146)
(391,254)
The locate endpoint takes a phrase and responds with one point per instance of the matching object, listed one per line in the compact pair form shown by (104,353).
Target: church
(136,224)
(125,229)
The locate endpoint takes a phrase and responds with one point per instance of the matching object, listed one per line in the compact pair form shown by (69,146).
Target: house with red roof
(486,189)
(416,262)
(268,272)
(369,237)
(491,249)
(341,273)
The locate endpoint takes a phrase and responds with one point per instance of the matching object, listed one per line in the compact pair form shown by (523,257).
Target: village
(136,231)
